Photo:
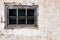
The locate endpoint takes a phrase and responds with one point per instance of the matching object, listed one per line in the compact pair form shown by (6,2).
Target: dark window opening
(21,16)
(30,20)
(21,21)
(12,20)
(30,12)
(21,12)
(12,12)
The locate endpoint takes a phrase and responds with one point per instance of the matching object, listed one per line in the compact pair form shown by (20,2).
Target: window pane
(21,20)
(12,20)
(30,20)
(12,12)
(30,12)
(21,12)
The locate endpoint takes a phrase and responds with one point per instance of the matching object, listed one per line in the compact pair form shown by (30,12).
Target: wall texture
(48,21)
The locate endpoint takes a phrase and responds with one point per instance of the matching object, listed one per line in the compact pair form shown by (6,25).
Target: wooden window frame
(7,7)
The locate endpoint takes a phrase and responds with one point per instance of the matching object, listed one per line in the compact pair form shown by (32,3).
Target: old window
(21,15)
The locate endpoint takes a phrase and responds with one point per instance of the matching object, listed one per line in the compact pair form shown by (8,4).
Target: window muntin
(21,16)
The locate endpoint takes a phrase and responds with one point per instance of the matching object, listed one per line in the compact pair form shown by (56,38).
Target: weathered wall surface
(48,22)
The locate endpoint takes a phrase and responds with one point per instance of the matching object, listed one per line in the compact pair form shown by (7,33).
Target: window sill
(21,26)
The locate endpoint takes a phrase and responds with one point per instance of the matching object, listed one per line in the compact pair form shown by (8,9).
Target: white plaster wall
(48,22)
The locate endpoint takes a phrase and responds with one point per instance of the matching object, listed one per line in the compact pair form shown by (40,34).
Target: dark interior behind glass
(22,17)
(12,12)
